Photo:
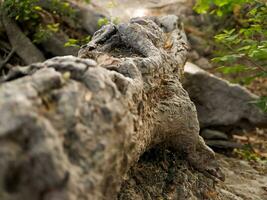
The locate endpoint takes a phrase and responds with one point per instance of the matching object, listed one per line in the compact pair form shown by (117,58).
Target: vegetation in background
(112,19)
(248,153)
(241,45)
(39,22)
(76,42)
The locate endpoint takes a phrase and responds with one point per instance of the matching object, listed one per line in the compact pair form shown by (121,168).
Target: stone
(222,144)
(89,15)
(220,103)
(213,134)
(54,45)
(203,63)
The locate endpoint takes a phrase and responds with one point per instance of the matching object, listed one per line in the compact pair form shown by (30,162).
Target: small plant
(241,47)
(77,43)
(44,32)
(33,17)
(247,153)
(22,10)
(104,21)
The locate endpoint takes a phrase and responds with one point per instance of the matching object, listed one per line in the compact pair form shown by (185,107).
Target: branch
(4,62)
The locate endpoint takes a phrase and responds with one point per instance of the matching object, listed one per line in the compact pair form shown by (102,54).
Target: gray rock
(213,134)
(243,181)
(55,45)
(204,63)
(220,103)
(193,55)
(222,144)
(89,17)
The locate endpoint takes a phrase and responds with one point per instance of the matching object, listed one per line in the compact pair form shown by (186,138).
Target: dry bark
(71,127)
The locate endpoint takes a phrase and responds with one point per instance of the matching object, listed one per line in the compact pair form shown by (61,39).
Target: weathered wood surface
(70,128)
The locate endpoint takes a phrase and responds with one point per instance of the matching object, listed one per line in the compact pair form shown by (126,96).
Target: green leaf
(202,6)
(233,69)
(71,43)
(228,58)
(102,21)
(261,103)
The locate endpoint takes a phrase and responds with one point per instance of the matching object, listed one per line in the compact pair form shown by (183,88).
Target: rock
(242,179)
(213,134)
(220,103)
(198,43)
(193,55)
(54,45)
(203,63)
(88,16)
(222,144)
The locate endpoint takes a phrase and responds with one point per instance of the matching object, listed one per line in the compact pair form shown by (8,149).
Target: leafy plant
(21,10)
(261,103)
(242,44)
(104,21)
(33,16)
(248,153)
(44,32)
(76,43)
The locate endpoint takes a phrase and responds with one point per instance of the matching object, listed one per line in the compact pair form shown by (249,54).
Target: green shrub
(22,10)
(32,16)
(242,44)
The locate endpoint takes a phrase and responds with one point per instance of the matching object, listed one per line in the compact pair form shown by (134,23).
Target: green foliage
(77,43)
(22,10)
(44,32)
(261,103)
(105,21)
(247,153)
(242,44)
(218,7)
(30,14)
(102,21)
(61,8)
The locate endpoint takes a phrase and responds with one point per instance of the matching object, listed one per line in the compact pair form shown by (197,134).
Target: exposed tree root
(71,128)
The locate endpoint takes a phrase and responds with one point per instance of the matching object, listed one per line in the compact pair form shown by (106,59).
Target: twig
(254,63)
(247,59)
(2,64)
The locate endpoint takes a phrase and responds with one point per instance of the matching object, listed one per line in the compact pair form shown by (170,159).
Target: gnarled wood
(71,127)
(28,52)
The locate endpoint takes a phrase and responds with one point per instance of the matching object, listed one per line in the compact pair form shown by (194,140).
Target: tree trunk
(71,127)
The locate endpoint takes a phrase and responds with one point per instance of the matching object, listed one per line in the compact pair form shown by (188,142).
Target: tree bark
(71,127)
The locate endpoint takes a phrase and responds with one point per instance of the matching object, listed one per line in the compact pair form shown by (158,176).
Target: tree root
(76,127)
(24,47)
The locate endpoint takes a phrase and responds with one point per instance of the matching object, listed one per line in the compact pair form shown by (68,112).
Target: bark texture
(71,127)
